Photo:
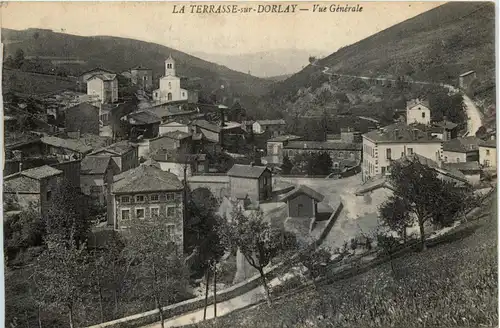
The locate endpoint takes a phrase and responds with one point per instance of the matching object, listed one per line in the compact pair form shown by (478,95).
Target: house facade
(178,141)
(83,118)
(144,123)
(33,187)
(252,182)
(104,86)
(97,176)
(342,154)
(123,153)
(418,112)
(147,192)
(488,154)
(302,202)
(382,146)
(461,150)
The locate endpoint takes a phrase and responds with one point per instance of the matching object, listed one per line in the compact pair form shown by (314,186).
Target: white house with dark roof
(250,181)
(418,112)
(104,86)
(461,150)
(145,193)
(33,187)
(274,127)
(488,154)
(382,146)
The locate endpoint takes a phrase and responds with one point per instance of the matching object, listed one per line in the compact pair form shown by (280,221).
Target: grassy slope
(447,285)
(120,54)
(435,46)
(32,83)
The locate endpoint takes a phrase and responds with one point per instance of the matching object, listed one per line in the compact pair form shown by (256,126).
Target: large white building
(170,85)
(418,112)
(104,86)
(392,142)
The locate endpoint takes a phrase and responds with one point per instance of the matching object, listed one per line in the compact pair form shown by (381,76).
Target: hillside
(426,289)
(435,46)
(120,54)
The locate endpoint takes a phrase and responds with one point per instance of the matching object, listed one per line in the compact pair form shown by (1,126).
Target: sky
(214,33)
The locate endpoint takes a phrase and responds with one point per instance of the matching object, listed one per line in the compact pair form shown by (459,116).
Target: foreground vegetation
(450,284)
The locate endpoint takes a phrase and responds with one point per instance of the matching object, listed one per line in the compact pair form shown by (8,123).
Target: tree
(315,262)
(443,104)
(154,254)
(425,195)
(388,244)
(202,234)
(287,165)
(67,216)
(257,240)
(319,164)
(62,271)
(18,58)
(22,231)
(394,214)
(312,59)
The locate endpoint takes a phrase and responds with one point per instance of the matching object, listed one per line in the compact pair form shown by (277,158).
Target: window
(155,212)
(95,189)
(49,195)
(139,198)
(383,170)
(486,163)
(458,160)
(153,198)
(139,213)
(170,196)
(388,153)
(170,231)
(125,199)
(335,165)
(402,154)
(170,211)
(341,153)
(169,96)
(169,65)
(125,215)
(423,115)
(169,85)
(487,152)
(410,151)
(446,158)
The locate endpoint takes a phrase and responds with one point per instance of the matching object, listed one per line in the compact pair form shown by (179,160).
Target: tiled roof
(271,122)
(489,143)
(284,138)
(103,76)
(302,189)
(446,124)
(450,171)
(82,106)
(143,117)
(322,145)
(246,171)
(400,133)
(41,172)
(204,124)
(146,178)
(463,166)
(140,68)
(415,102)
(70,144)
(96,69)
(177,135)
(117,148)
(28,181)
(95,164)
(462,145)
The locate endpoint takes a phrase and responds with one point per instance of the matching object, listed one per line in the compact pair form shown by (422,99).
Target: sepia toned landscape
(279,165)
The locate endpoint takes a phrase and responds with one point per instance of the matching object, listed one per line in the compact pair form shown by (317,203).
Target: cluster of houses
(171,139)
(466,159)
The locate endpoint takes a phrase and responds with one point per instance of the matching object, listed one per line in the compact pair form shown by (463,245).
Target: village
(145,159)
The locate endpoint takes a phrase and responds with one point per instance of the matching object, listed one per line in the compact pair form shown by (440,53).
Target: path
(475,116)
(252,297)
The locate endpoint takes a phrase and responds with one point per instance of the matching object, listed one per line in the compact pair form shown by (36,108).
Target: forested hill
(120,54)
(437,46)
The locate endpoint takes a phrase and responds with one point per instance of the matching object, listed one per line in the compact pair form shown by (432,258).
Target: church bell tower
(170,66)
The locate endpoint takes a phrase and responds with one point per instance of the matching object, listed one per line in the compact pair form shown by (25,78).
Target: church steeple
(170,66)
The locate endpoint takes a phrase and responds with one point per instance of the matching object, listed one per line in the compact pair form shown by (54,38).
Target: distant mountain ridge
(264,64)
(120,54)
